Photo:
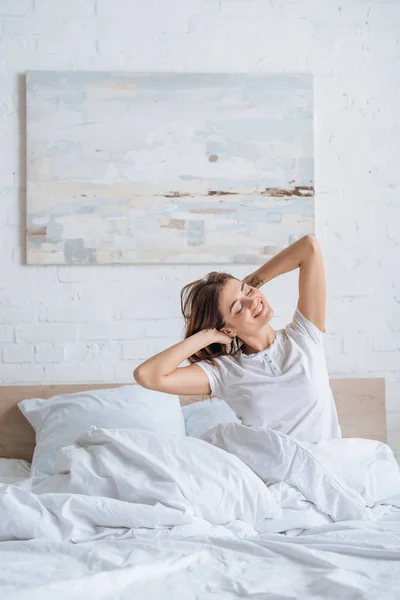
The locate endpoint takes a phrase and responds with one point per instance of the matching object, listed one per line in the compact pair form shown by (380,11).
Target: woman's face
(240,304)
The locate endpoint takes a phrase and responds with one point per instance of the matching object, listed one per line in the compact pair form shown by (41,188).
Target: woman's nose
(254,304)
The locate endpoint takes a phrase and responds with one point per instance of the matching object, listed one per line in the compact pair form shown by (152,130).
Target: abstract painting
(167,168)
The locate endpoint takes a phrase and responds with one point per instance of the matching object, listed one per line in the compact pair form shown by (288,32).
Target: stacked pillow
(59,420)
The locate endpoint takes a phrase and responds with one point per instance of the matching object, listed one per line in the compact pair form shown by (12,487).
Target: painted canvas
(167,168)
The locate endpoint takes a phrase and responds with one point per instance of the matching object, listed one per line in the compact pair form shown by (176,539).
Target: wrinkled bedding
(13,469)
(242,511)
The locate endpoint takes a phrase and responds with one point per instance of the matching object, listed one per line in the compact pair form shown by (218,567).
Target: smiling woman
(269,378)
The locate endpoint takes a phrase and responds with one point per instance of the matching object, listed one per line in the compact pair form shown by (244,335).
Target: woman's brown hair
(200,309)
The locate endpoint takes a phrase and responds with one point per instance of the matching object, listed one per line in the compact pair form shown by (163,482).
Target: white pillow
(14,469)
(59,420)
(202,416)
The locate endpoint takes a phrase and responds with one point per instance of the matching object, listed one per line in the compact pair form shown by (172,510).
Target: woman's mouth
(259,309)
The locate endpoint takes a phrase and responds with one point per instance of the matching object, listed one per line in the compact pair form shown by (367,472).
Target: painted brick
(17,374)
(46,332)
(49,353)
(79,374)
(6,333)
(357,342)
(92,352)
(76,313)
(18,353)
(57,9)
(165,328)
(388,342)
(163,307)
(14,315)
(354,315)
(390,361)
(144,349)
(333,344)
(358,364)
(55,40)
(15,8)
(393,319)
(354,364)
(67,274)
(119,330)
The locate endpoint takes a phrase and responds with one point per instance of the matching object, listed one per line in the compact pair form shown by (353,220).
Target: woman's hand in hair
(221,338)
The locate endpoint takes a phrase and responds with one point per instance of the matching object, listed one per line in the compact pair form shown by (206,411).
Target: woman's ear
(229,332)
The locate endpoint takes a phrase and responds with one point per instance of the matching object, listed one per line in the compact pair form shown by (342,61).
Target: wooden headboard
(360,404)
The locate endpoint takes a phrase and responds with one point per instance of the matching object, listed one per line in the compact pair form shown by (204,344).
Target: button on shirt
(285,387)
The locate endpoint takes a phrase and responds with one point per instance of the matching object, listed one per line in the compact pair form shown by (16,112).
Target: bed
(356,554)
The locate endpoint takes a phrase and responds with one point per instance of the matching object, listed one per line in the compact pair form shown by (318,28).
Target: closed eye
(239,311)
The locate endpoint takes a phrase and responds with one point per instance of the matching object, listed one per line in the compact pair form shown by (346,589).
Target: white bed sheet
(347,559)
(344,560)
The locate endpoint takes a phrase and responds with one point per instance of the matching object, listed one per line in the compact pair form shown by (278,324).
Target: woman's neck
(264,340)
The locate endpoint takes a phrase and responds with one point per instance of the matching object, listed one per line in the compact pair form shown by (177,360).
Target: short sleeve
(214,377)
(306,328)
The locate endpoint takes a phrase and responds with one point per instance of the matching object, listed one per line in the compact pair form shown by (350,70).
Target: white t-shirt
(285,387)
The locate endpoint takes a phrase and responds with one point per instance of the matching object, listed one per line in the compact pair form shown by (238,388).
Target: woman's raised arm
(306,254)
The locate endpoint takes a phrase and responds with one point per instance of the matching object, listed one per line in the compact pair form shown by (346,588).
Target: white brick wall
(65,324)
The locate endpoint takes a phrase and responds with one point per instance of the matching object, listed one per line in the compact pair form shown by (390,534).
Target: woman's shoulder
(303,329)
(222,364)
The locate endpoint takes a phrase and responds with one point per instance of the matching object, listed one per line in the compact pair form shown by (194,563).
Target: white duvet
(349,478)
(229,494)
(253,480)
